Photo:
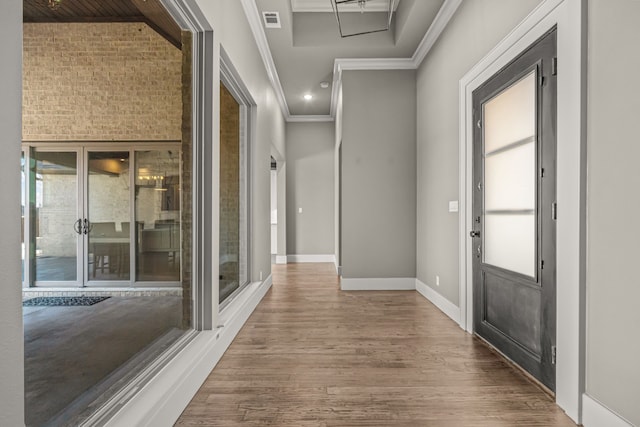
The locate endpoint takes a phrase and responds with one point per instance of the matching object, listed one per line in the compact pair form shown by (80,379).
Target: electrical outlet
(299,210)
(437,280)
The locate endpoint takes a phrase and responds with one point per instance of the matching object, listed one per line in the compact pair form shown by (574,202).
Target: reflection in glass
(108,204)
(510,178)
(56,191)
(233,197)
(157,215)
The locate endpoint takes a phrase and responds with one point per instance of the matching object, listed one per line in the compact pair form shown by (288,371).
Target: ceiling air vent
(271,19)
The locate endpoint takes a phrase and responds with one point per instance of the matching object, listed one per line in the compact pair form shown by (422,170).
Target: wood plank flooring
(312,355)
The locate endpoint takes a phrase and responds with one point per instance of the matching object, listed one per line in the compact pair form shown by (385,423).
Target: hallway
(312,355)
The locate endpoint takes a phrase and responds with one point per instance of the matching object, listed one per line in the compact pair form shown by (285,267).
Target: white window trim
(231,79)
(569,16)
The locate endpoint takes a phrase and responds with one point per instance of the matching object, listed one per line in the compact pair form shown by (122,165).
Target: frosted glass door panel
(510,242)
(510,179)
(511,115)
(509,208)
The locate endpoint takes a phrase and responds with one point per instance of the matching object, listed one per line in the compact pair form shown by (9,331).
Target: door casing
(570,18)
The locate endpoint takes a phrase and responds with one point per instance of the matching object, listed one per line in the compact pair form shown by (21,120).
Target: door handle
(77,226)
(87,227)
(474,233)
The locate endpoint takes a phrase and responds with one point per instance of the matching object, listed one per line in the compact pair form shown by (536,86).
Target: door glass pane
(510,116)
(510,242)
(109,215)
(56,204)
(158,215)
(510,178)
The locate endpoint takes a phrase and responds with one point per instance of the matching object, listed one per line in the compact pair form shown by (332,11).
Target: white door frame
(570,18)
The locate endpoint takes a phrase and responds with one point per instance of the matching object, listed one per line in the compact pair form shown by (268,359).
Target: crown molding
(314,118)
(436,28)
(362,64)
(255,22)
(373,64)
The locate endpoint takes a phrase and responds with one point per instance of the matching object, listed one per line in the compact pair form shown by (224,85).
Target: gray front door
(514,210)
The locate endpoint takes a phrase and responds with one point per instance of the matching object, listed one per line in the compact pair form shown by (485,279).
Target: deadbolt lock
(474,233)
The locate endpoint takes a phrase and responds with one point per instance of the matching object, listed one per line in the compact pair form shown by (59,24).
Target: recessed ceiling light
(324,85)
(308,97)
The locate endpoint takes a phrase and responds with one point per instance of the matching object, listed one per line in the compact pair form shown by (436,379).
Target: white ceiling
(305,48)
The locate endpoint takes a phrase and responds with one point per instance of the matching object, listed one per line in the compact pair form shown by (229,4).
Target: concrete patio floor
(70,350)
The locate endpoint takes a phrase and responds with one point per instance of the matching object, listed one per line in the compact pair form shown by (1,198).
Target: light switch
(299,210)
(453,206)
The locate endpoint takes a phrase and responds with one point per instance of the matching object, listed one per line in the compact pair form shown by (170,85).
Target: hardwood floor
(312,355)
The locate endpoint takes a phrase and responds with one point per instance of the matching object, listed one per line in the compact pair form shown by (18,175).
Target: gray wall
(378,174)
(310,151)
(474,30)
(11,349)
(233,33)
(613,204)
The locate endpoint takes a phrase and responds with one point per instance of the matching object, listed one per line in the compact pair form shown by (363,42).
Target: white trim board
(295,258)
(162,400)
(378,284)
(303,118)
(595,414)
(568,16)
(443,304)
(281,259)
(438,25)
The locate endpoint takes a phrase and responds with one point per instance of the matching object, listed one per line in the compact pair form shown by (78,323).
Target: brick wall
(102,81)
(229,188)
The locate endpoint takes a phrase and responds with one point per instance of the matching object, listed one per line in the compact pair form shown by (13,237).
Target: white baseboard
(311,258)
(378,284)
(595,414)
(281,259)
(446,306)
(161,401)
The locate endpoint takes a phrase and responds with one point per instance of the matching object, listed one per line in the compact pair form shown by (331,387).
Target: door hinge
(542,265)
(554,66)
(541,172)
(554,211)
(479,124)
(553,354)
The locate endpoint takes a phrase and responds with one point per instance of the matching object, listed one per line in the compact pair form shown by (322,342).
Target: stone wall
(100,82)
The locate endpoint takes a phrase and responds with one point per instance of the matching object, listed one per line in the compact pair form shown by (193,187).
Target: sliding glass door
(108,215)
(55,253)
(157,215)
(101,217)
